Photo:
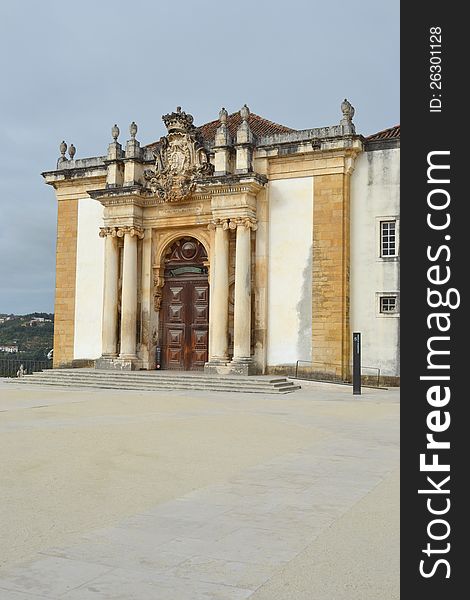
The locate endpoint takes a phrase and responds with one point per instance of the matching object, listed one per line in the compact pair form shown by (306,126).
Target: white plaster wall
(289,332)
(374,194)
(89,280)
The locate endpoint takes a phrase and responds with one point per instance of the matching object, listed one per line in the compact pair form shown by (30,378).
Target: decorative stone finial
(63,150)
(245,113)
(223,114)
(115,132)
(133,150)
(348,112)
(244,143)
(222,140)
(133,130)
(114,151)
(72,151)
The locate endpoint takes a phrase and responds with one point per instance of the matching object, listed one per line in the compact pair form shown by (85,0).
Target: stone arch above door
(186,250)
(163,241)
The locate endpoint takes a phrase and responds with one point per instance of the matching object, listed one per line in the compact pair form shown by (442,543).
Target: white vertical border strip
(375,197)
(289,336)
(89,281)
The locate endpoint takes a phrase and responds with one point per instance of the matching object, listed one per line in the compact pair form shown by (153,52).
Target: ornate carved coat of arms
(180,158)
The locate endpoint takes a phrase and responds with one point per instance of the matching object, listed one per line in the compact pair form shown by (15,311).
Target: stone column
(110,292)
(242,309)
(129,292)
(219,297)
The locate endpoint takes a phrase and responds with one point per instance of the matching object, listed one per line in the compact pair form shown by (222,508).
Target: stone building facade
(239,246)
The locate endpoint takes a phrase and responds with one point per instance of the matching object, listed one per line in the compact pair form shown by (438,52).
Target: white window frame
(388,314)
(379,221)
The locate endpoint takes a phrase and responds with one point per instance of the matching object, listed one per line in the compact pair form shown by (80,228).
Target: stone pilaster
(66,259)
(330,275)
(148,317)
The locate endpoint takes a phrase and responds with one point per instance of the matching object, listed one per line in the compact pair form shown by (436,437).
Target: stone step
(170,387)
(286,386)
(159,382)
(157,375)
(155,381)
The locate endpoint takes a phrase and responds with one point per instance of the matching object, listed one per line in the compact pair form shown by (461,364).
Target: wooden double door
(184,315)
(185,312)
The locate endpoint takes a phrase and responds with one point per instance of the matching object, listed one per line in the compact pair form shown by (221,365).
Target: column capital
(131,230)
(121,231)
(105,231)
(247,222)
(215,223)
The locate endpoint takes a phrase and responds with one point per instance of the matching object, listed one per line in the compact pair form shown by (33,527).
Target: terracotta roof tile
(386,134)
(259,126)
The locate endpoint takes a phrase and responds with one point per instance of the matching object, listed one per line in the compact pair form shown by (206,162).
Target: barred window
(388,242)
(388,304)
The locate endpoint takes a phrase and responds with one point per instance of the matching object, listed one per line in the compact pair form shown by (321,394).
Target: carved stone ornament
(247,222)
(212,225)
(115,132)
(158,283)
(121,231)
(130,230)
(348,111)
(105,231)
(180,158)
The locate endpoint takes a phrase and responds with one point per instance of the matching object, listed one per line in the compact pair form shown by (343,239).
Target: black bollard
(356,363)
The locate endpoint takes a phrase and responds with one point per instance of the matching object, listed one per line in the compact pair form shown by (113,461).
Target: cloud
(72,70)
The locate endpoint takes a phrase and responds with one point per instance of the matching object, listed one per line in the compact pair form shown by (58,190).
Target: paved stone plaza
(201,495)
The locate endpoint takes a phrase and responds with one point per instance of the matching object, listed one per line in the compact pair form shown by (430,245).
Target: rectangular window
(388,304)
(388,242)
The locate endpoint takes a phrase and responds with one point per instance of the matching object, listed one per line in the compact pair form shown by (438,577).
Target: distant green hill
(33,337)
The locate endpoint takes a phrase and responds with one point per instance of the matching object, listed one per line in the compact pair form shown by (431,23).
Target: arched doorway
(184,317)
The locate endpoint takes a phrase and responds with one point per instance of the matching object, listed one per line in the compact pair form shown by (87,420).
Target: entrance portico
(182,270)
(179,206)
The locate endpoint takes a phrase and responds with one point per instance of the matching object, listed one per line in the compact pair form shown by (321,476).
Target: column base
(118,363)
(216,366)
(242,366)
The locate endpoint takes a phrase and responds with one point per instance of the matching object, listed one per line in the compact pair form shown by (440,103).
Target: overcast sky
(71,69)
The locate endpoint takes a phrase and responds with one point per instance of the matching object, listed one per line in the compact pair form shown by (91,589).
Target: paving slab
(199,496)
